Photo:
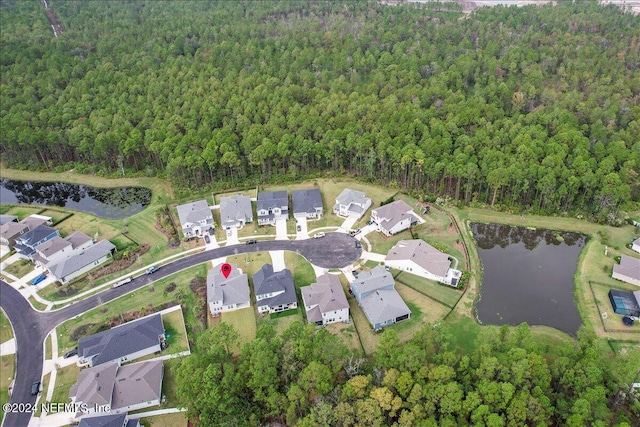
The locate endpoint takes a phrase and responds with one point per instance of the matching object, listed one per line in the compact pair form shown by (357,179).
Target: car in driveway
(152,269)
(35,388)
(299,228)
(38,279)
(71,353)
(207,239)
(318,235)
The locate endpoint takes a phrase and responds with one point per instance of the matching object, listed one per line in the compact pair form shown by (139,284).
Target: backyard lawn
(166,420)
(244,322)
(443,294)
(175,328)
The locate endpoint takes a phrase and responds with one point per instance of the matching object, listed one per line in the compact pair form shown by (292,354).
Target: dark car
(71,353)
(358,244)
(207,239)
(38,279)
(211,232)
(35,388)
(252,242)
(299,228)
(153,269)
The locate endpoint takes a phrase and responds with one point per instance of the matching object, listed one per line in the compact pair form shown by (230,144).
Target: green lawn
(250,263)
(166,420)
(6,333)
(170,384)
(20,268)
(442,293)
(303,274)
(7,369)
(65,378)
(175,327)
(244,322)
(21,211)
(56,215)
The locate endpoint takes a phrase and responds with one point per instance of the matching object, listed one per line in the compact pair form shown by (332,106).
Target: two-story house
(272,206)
(227,293)
(394,217)
(195,218)
(26,243)
(307,204)
(274,290)
(351,203)
(325,301)
(235,211)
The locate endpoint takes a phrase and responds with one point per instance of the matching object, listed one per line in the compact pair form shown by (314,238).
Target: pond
(110,203)
(528,276)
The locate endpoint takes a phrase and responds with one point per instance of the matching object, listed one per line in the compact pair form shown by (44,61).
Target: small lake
(110,203)
(528,276)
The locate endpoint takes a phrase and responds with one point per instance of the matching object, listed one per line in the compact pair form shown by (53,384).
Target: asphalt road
(334,250)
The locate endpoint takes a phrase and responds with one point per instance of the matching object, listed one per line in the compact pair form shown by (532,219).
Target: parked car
(35,388)
(252,242)
(152,269)
(317,235)
(71,353)
(207,239)
(386,267)
(211,231)
(358,244)
(299,228)
(122,282)
(38,279)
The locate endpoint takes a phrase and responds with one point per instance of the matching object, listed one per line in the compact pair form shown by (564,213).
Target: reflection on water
(111,203)
(528,276)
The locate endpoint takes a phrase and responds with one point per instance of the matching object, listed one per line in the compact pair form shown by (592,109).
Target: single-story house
(394,217)
(123,343)
(81,261)
(195,218)
(624,302)
(112,420)
(420,258)
(376,295)
(119,388)
(274,290)
(227,293)
(628,270)
(235,211)
(635,246)
(58,248)
(35,220)
(307,203)
(271,206)
(26,244)
(10,231)
(7,218)
(351,203)
(325,301)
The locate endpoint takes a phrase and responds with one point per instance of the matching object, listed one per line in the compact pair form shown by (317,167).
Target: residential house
(7,218)
(26,243)
(10,231)
(635,246)
(351,203)
(112,420)
(118,389)
(227,293)
(274,290)
(325,301)
(235,211)
(35,220)
(307,204)
(272,206)
(195,218)
(420,258)
(81,261)
(123,343)
(628,270)
(394,217)
(376,295)
(56,249)
(625,303)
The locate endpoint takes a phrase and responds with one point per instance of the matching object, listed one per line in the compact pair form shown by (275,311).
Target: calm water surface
(528,276)
(110,203)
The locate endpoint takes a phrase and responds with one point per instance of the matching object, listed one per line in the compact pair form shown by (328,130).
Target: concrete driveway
(277,260)
(347,224)
(281,229)
(232,236)
(304,231)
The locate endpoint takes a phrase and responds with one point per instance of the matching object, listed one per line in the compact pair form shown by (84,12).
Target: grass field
(347,334)
(175,327)
(170,384)
(20,268)
(22,211)
(303,274)
(443,294)
(7,370)
(166,420)
(65,378)
(6,333)
(244,322)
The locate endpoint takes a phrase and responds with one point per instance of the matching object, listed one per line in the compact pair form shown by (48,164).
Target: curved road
(335,250)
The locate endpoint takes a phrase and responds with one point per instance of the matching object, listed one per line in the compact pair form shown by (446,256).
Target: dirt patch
(199,287)
(165,224)
(171,287)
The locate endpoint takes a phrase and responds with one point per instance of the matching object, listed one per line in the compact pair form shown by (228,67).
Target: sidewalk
(8,347)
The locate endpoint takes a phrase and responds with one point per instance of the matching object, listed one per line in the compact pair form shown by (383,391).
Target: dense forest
(532,107)
(306,377)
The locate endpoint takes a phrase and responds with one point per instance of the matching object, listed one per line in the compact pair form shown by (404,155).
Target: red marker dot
(226,270)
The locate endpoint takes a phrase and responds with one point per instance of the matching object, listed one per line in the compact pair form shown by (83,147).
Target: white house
(272,206)
(325,301)
(195,218)
(57,249)
(235,211)
(81,261)
(227,293)
(393,218)
(628,270)
(420,258)
(351,203)
(635,246)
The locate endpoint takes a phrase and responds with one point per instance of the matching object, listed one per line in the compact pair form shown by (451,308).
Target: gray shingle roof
(384,304)
(327,294)
(122,340)
(307,201)
(368,281)
(11,229)
(272,199)
(423,254)
(7,218)
(137,383)
(267,281)
(33,236)
(78,239)
(194,212)
(235,208)
(116,420)
(393,213)
(354,199)
(231,290)
(52,246)
(95,385)
(628,266)
(77,261)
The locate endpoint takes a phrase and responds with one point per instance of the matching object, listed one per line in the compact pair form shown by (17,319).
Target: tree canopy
(534,107)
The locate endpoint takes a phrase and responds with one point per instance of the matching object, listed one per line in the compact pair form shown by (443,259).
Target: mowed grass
(281,324)
(7,371)
(65,378)
(20,268)
(178,419)
(22,211)
(175,327)
(347,334)
(6,333)
(303,273)
(250,263)
(443,294)
(170,384)
(612,321)
(244,322)
(137,300)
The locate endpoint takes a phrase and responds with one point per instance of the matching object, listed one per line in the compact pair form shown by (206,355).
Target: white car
(320,234)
